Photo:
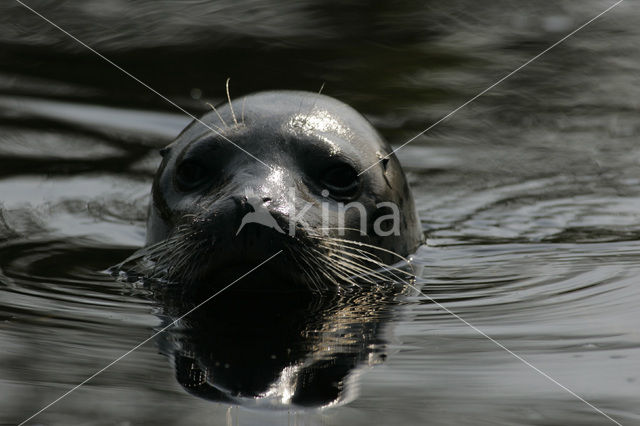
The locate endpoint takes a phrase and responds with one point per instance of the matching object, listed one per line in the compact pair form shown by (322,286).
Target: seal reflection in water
(278,351)
(275,178)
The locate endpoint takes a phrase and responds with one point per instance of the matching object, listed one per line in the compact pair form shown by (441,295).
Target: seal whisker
(315,266)
(326,267)
(179,253)
(146,251)
(298,260)
(218,114)
(134,263)
(189,273)
(218,128)
(379,269)
(361,244)
(392,270)
(357,267)
(321,268)
(366,256)
(343,276)
(313,275)
(352,274)
(243,102)
(233,114)
(187,264)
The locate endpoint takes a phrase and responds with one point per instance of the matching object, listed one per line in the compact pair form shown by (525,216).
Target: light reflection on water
(529,196)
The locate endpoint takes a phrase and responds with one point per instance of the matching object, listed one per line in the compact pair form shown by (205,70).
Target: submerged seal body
(286,173)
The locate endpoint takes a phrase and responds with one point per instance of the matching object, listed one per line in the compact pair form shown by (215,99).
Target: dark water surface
(530,198)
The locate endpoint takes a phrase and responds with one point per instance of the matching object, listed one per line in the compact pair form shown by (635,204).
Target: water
(529,196)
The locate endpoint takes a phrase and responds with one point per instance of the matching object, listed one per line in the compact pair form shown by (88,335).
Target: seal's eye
(341,181)
(190,174)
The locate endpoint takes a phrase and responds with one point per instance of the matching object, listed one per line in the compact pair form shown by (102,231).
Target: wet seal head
(294,180)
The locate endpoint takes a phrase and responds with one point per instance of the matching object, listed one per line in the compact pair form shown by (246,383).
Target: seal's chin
(257,260)
(248,276)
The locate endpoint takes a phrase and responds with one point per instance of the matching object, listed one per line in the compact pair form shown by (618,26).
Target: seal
(284,172)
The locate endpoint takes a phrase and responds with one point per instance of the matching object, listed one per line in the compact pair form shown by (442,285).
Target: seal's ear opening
(385,161)
(164,151)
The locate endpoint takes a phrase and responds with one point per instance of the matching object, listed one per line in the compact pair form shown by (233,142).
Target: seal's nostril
(266,199)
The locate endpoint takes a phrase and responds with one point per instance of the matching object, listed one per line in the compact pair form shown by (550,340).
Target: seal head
(284,172)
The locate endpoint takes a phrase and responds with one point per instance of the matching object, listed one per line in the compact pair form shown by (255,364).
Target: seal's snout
(251,203)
